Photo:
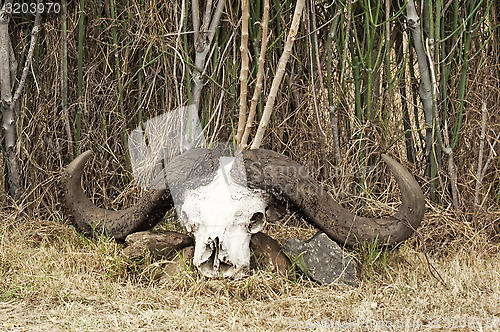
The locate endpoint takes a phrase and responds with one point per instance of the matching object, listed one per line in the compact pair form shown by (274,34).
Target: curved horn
(192,168)
(288,181)
(92,220)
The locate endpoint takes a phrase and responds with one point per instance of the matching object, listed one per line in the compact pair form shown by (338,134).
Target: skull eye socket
(256,222)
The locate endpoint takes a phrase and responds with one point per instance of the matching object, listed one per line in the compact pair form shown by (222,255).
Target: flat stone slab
(160,245)
(322,259)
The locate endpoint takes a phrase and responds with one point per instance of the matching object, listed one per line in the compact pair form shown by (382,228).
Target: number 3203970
(33,8)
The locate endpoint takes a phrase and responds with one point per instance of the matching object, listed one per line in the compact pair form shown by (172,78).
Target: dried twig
(178,55)
(481,169)
(64,76)
(314,48)
(260,75)
(445,140)
(482,139)
(245,15)
(29,58)
(266,115)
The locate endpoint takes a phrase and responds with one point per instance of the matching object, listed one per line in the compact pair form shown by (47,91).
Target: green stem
(118,72)
(463,80)
(79,93)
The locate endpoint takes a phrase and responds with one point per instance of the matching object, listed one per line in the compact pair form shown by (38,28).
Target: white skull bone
(223,215)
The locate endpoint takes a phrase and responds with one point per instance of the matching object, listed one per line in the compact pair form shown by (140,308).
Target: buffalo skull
(222,201)
(223,215)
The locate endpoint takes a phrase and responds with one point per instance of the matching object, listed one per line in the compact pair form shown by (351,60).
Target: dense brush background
(135,66)
(353,64)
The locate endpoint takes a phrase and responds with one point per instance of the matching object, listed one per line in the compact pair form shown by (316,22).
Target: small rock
(182,261)
(267,254)
(322,259)
(275,212)
(160,245)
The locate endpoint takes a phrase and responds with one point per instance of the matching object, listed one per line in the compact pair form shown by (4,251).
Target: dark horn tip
(76,166)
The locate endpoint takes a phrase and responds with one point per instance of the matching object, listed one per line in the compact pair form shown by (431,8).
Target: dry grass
(53,279)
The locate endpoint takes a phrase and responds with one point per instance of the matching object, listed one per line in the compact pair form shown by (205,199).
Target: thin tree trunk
(425,90)
(266,115)
(260,76)
(9,120)
(79,84)
(480,157)
(314,53)
(64,77)
(482,168)
(9,102)
(13,66)
(203,41)
(245,16)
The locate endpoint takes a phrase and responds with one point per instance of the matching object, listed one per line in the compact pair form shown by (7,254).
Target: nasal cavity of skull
(256,222)
(222,264)
(213,248)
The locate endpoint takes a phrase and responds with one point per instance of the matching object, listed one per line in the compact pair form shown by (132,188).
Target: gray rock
(160,245)
(322,260)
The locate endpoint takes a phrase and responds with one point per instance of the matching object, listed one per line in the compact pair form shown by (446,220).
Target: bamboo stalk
(64,77)
(186,45)
(414,96)
(388,74)
(329,76)
(245,16)
(140,100)
(79,88)
(482,140)
(260,76)
(463,78)
(266,115)
(119,81)
(357,89)
(345,47)
(443,138)
(178,85)
(359,118)
(314,57)
(196,20)
(482,168)
(368,65)
(410,145)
